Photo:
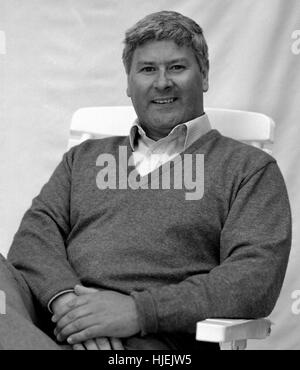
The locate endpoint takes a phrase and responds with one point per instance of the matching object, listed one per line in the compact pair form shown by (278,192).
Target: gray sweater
(224,255)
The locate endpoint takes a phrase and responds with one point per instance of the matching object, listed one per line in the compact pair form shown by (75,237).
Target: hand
(59,303)
(99,344)
(99,314)
(58,306)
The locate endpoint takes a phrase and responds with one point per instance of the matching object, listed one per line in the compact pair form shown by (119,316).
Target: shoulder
(230,164)
(235,155)
(91,149)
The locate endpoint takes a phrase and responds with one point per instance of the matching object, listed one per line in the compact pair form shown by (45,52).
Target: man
(137,268)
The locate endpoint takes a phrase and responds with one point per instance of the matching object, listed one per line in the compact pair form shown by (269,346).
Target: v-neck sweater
(223,255)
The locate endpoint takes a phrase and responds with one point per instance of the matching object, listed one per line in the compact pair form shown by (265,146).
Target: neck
(157,134)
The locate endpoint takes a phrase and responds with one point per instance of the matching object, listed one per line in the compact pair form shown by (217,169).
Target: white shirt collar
(192,131)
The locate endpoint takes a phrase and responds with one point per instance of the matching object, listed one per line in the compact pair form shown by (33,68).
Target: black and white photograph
(149,177)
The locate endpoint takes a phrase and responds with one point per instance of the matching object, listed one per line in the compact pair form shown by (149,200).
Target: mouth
(162,101)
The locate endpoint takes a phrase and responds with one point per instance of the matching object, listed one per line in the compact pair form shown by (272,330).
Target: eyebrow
(173,61)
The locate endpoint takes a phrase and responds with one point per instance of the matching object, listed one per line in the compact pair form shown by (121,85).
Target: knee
(9,275)
(15,290)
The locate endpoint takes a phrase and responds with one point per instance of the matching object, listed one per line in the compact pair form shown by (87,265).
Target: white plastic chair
(253,128)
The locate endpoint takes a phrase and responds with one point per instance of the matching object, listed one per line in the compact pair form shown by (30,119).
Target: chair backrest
(253,128)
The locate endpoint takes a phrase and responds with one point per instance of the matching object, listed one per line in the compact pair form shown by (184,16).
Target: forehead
(162,52)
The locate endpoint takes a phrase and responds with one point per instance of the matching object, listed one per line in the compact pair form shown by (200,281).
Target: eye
(147,69)
(177,67)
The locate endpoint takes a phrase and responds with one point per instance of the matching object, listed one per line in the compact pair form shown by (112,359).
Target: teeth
(164,101)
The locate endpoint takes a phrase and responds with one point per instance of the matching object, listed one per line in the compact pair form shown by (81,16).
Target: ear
(128,89)
(205,83)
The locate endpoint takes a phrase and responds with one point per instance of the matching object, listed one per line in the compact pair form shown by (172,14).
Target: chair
(93,122)
(253,128)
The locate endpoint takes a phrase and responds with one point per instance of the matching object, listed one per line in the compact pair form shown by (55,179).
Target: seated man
(138,266)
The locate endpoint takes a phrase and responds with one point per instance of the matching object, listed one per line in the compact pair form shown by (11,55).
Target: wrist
(61,300)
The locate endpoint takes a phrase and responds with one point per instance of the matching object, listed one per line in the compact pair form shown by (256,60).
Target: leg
(173,342)
(17,325)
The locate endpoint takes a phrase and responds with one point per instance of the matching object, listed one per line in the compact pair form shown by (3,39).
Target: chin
(169,122)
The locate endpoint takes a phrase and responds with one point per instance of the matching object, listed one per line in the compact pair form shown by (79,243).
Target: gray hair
(166,25)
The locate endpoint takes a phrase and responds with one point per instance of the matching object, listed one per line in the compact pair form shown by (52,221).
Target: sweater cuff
(56,296)
(147,313)
(56,287)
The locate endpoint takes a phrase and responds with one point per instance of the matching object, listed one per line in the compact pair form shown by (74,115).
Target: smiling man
(137,268)
(166,86)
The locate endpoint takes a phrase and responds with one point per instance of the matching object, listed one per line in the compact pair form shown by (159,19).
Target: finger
(71,316)
(78,347)
(103,344)
(91,345)
(80,290)
(89,333)
(74,303)
(77,326)
(116,344)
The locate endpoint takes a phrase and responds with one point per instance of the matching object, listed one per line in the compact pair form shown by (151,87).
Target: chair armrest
(229,330)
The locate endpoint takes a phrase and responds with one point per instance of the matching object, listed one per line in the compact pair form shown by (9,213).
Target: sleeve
(57,296)
(255,243)
(38,250)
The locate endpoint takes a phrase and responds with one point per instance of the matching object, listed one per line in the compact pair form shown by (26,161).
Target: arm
(254,249)
(39,246)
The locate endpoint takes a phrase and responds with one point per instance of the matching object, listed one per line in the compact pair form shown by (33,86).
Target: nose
(162,81)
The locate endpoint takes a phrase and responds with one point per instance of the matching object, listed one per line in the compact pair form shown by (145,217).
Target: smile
(164,100)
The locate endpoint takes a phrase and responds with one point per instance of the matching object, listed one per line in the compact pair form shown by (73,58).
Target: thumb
(80,290)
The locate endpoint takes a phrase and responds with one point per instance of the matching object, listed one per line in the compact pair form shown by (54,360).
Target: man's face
(166,86)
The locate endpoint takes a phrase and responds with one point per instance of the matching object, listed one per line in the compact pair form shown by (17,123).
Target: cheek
(139,93)
(137,84)
(139,100)
(194,91)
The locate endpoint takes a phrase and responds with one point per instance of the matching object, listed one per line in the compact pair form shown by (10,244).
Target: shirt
(149,154)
